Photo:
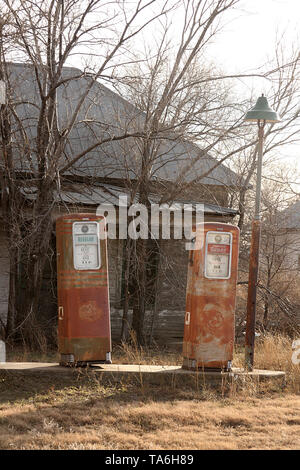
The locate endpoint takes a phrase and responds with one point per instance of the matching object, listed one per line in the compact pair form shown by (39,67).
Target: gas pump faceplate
(218,252)
(86,246)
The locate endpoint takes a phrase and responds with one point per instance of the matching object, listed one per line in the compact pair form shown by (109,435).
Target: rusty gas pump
(84,334)
(210,298)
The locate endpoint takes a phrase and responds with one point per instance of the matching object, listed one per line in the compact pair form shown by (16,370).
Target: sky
(249,38)
(249,35)
(247,41)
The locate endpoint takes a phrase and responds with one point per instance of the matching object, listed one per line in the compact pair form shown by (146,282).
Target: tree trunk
(125,322)
(12,295)
(139,298)
(266,314)
(34,256)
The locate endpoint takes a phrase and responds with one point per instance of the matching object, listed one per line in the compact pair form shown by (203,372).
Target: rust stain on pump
(84,333)
(210,297)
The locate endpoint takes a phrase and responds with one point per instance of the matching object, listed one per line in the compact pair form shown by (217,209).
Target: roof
(111,194)
(106,114)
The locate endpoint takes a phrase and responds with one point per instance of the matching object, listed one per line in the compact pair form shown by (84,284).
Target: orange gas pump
(82,287)
(210,297)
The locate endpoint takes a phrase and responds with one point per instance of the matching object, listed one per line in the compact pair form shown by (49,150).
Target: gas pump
(84,333)
(210,297)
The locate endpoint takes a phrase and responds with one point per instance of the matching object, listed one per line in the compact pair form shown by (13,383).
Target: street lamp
(260,113)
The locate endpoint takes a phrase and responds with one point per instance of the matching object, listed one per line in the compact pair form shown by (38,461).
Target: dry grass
(274,352)
(80,412)
(132,354)
(100,421)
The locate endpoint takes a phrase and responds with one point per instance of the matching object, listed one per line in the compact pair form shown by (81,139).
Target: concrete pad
(146,373)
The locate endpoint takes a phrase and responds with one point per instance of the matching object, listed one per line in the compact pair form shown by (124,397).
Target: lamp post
(262,114)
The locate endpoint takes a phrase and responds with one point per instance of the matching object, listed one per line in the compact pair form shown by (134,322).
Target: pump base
(191,364)
(68,360)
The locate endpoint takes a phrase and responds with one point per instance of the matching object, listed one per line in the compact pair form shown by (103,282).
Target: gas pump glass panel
(218,250)
(86,246)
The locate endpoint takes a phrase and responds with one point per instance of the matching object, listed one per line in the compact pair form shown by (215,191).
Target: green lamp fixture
(262,112)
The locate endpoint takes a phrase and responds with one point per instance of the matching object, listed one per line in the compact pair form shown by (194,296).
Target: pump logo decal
(218,249)
(90,311)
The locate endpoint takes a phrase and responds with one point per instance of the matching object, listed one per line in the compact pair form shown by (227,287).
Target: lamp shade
(262,111)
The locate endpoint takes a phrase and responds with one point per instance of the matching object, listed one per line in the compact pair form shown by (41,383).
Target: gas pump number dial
(86,246)
(218,250)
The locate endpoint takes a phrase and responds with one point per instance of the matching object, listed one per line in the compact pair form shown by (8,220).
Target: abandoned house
(111,170)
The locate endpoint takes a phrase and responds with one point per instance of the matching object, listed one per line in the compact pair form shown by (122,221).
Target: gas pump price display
(218,255)
(86,246)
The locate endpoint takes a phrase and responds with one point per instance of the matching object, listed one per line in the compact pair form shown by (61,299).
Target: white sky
(248,36)
(251,35)
(249,39)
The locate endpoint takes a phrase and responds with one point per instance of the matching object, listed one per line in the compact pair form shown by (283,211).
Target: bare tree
(183,101)
(180,99)
(193,103)
(36,149)
(278,273)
